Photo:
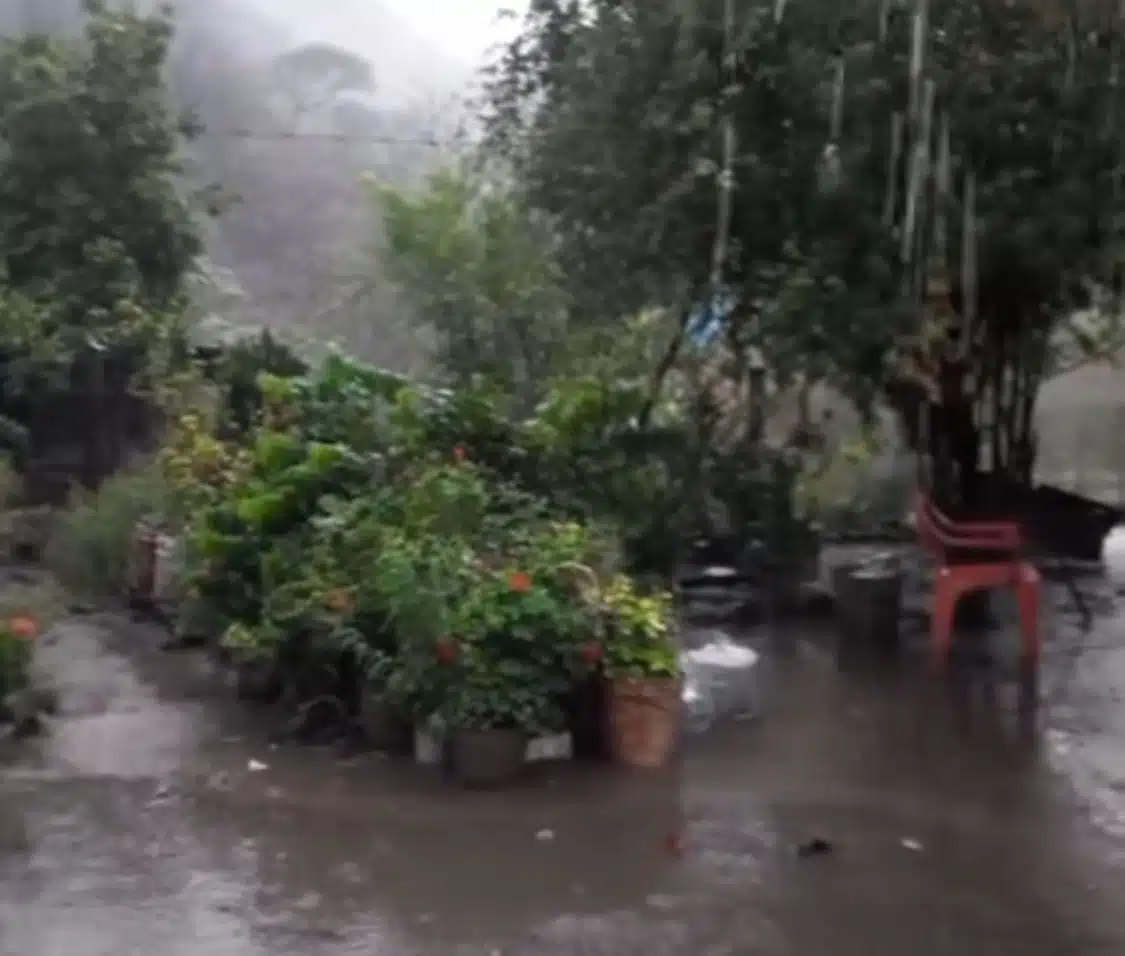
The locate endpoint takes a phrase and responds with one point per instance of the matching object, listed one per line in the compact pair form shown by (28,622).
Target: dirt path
(138,826)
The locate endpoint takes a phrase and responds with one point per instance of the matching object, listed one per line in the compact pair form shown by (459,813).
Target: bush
(91,546)
(16,652)
(11,484)
(425,541)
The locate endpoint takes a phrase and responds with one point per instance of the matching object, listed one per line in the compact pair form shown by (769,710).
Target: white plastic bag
(721,679)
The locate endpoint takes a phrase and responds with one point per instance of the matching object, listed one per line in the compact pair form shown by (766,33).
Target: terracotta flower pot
(486,758)
(644,720)
(167,567)
(141,573)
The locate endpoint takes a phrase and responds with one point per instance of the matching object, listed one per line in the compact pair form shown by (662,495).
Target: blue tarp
(709,321)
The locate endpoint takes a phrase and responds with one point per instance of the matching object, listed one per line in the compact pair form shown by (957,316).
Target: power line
(280,136)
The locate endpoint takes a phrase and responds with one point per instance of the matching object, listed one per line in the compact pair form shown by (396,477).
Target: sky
(418,48)
(464,29)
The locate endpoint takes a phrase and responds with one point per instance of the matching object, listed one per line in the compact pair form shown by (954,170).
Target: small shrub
(11,484)
(16,649)
(25,611)
(92,542)
(39,597)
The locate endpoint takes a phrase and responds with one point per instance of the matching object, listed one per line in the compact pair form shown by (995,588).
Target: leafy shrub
(11,485)
(423,541)
(639,640)
(92,543)
(239,373)
(17,636)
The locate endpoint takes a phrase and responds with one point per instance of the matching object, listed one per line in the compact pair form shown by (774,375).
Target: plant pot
(550,748)
(644,720)
(429,747)
(167,568)
(256,679)
(486,758)
(141,572)
(383,726)
(587,718)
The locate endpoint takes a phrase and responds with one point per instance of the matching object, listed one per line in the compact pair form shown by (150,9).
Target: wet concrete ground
(138,826)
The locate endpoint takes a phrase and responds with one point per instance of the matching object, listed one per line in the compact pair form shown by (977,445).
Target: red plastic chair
(977,556)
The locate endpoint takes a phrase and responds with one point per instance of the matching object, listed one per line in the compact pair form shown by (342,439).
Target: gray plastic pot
(486,758)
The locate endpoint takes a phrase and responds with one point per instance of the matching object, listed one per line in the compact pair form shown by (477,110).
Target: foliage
(342,401)
(197,465)
(239,371)
(397,557)
(92,543)
(599,462)
(10,484)
(489,617)
(500,693)
(845,493)
(639,641)
(97,237)
(98,234)
(480,274)
(17,646)
(263,520)
(611,116)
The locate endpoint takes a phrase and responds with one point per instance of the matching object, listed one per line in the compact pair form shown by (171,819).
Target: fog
(297,99)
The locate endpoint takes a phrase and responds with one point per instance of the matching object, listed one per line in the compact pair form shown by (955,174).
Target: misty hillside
(296,100)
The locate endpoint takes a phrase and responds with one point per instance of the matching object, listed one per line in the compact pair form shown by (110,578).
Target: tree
(846,185)
(479,275)
(95,230)
(313,76)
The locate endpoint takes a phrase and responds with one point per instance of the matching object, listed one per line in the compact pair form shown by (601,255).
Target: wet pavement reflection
(155,818)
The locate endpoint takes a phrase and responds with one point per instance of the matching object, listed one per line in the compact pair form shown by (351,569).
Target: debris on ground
(817,846)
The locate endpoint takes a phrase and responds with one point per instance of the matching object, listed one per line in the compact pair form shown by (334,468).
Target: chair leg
(946,596)
(1030,586)
(1030,593)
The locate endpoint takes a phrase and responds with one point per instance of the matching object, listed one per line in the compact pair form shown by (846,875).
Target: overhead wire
(270,136)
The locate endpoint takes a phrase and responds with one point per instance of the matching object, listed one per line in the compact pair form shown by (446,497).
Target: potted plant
(140,575)
(419,579)
(493,678)
(17,637)
(20,705)
(567,561)
(644,678)
(494,708)
(382,721)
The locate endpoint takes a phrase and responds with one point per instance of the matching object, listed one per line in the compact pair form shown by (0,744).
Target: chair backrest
(939,534)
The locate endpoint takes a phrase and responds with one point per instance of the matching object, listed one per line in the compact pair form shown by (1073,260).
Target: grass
(91,544)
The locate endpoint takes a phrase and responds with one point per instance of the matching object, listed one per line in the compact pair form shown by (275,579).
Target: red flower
(520,582)
(446,651)
(592,654)
(24,626)
(460,454)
